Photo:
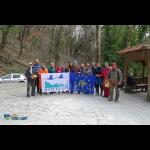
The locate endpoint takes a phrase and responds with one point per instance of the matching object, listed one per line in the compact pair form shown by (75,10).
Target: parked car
(13,78)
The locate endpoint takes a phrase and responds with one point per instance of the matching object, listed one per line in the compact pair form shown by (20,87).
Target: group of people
(107,78)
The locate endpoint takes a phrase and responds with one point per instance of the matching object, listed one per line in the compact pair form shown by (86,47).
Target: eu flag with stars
(82,83)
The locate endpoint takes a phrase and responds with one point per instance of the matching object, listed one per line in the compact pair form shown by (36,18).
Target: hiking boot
(101,94)
(32,94)
(40,93)
(116,100)
(71,92)
(110,99)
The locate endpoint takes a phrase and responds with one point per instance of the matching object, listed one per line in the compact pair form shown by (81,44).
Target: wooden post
(126,62)
(143,64)
(148,92)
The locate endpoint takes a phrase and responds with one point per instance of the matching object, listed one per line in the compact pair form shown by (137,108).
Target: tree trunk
(51,43)
(4,37)
(22,36)
(98,51)
(57,46)
(129,35)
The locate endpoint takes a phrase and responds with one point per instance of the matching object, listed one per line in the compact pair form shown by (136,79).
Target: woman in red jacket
(105,73)
(59,69)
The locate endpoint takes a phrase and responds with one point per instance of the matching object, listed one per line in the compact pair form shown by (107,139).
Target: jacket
(36,68)
(59,70)
(51,70)
(88,71)
(41,71)
(98,71)
(28,74)
(115,76)
(105,73)
(82,70)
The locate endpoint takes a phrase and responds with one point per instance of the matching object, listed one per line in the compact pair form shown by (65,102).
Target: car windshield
(7,76)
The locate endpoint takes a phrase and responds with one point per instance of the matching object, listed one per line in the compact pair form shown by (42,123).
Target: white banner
(55,82)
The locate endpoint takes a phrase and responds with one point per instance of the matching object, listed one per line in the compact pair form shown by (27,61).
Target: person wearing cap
(115,78)
(30,81)
(43,70)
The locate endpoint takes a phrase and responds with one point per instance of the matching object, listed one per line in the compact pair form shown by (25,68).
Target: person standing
(63,67)
(93,67)
(35,68)
(99,79)
(52,69)
(43,70)
(82,69)
(106,86)
(115,78)
(59,69)
(71,67)
(88,70)
(30,81)
(76,68)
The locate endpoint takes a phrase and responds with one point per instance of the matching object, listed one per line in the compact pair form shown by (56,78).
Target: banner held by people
(82,83)
(55,82)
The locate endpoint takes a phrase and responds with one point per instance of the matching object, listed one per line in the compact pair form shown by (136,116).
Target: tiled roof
(135,48)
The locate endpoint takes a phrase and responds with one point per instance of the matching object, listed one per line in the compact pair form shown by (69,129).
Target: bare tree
(58,45)
(4,37)
(51,43)
(98,50)
(25,32)
(130,30)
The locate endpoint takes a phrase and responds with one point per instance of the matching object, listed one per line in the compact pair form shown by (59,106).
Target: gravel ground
(67,109)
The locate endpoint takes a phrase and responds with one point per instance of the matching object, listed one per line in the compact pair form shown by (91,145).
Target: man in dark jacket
(30,81)
(93,67)
(99,79)
(35,68)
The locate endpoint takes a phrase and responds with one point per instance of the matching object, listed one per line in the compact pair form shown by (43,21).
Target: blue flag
(82,83)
